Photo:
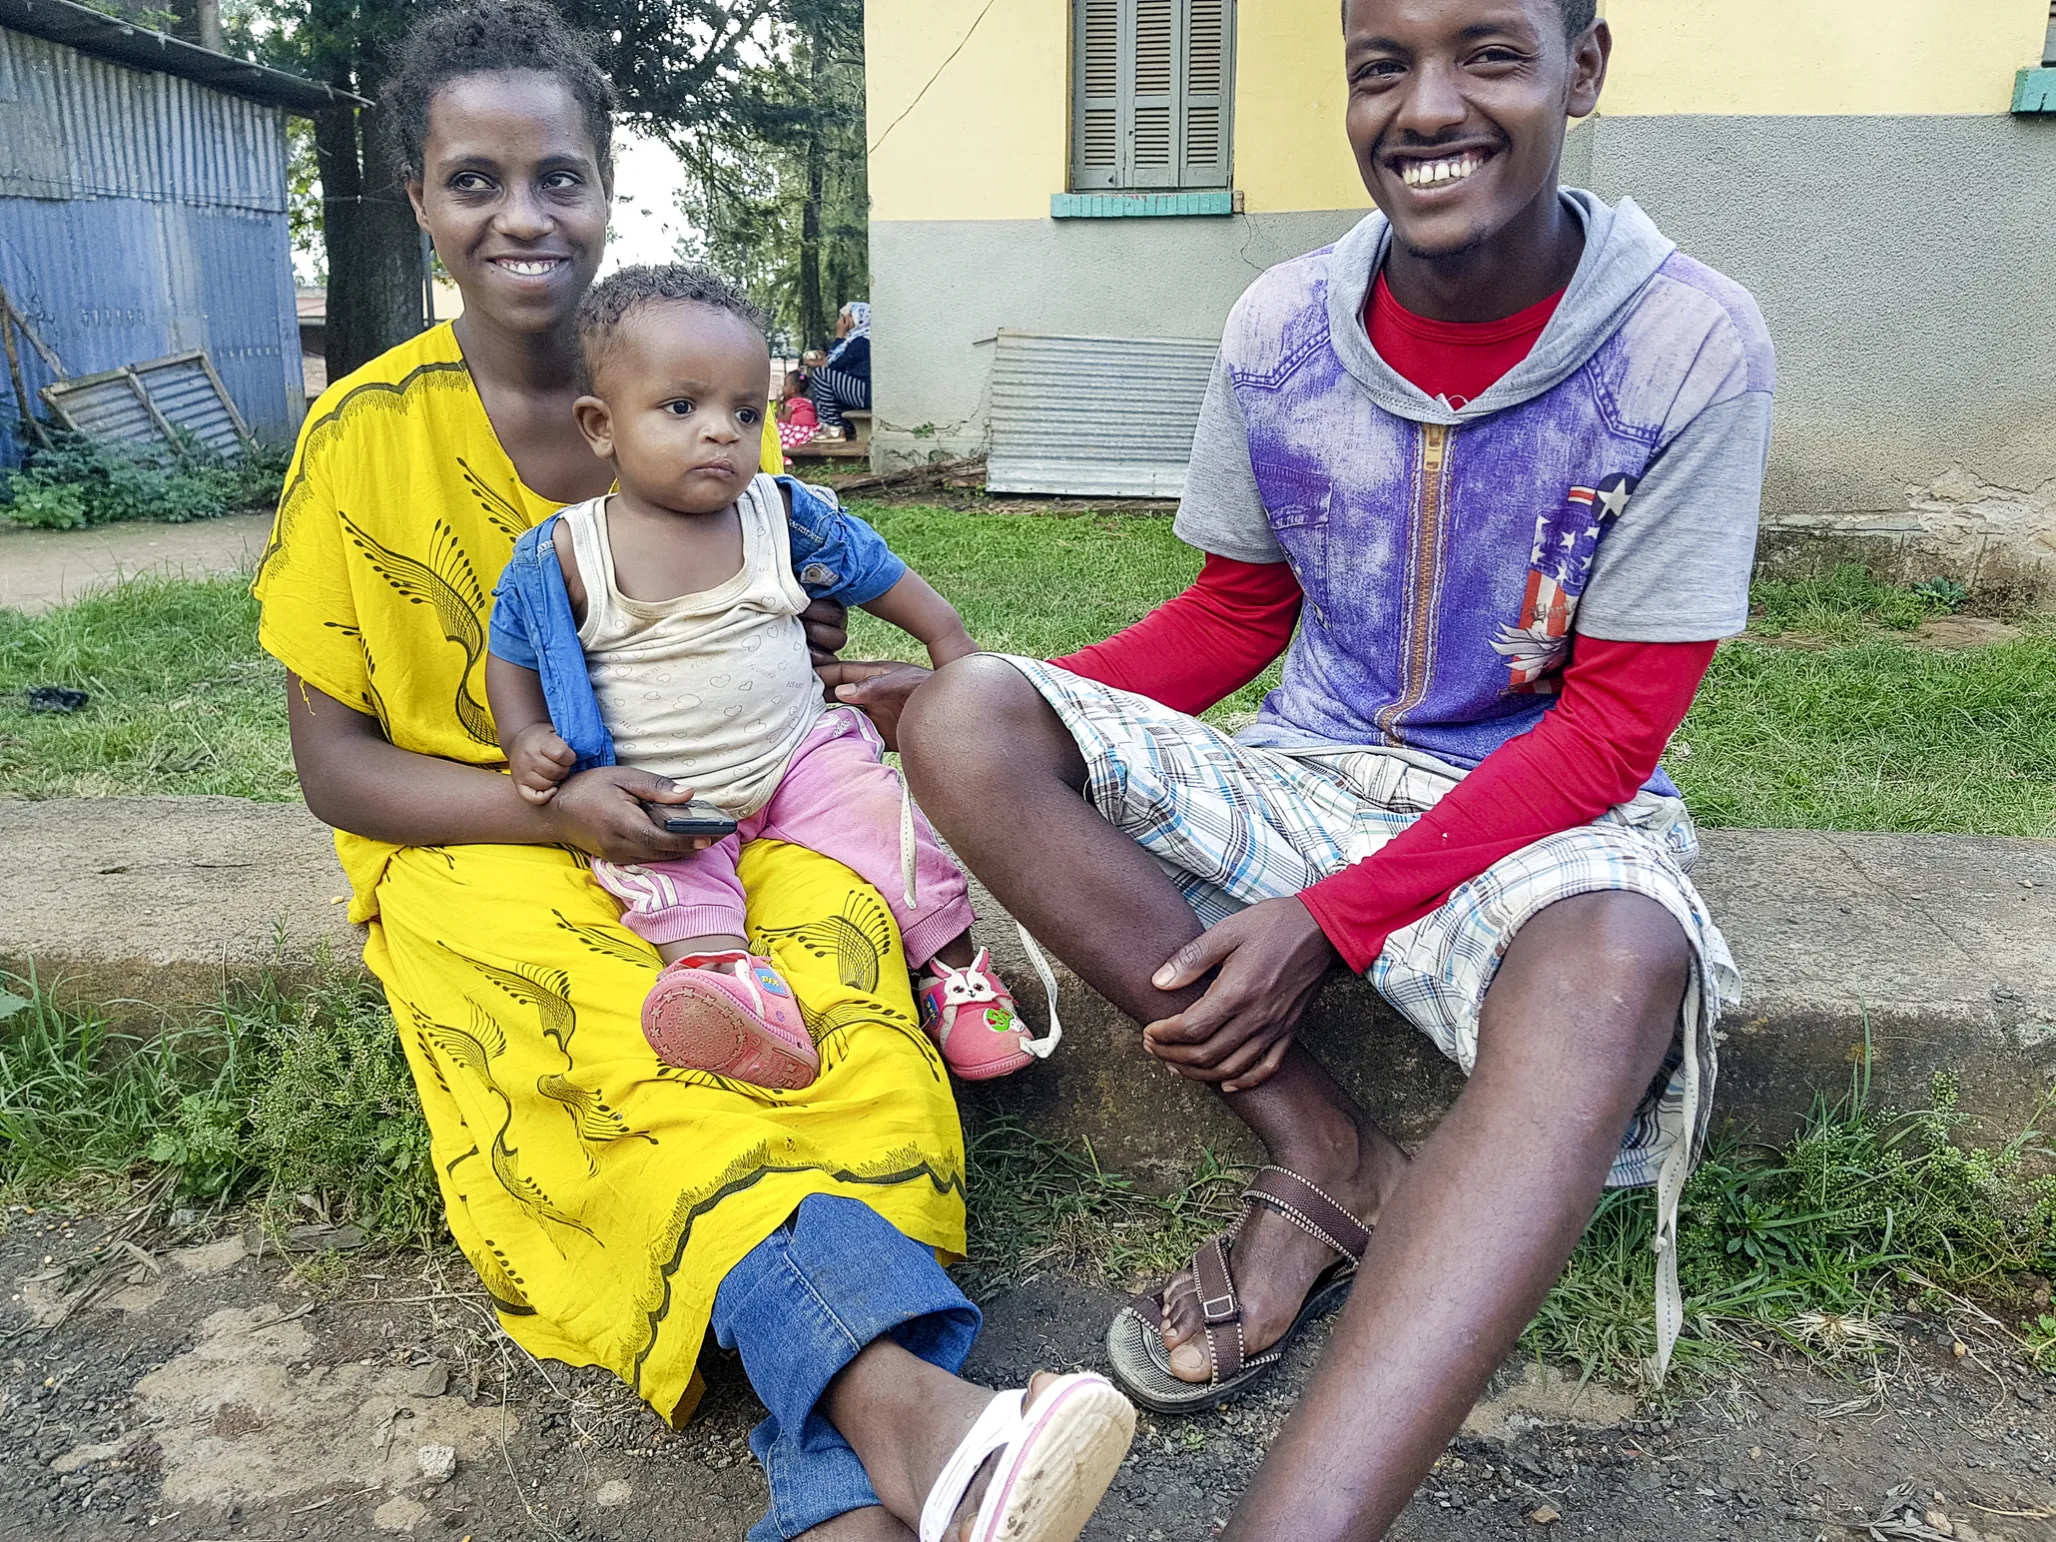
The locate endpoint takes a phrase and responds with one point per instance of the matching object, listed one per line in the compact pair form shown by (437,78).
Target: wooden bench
(857,447)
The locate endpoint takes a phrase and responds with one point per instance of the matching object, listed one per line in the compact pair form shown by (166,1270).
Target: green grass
(1826,717)
(1863,1212)
(1875,735)
(181,700)
(266,1095)
(1812,1242)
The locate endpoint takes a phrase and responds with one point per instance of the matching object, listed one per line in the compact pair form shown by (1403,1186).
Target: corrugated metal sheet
(109,408)
(190,397)
(1095,417)
(146,406)
(144,216)
(79,127)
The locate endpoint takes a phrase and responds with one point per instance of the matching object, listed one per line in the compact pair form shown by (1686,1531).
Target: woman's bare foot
(1275,1263)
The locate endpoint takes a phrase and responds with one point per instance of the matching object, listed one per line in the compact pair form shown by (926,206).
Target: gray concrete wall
(1905,265)
(940,290)
(1908,274)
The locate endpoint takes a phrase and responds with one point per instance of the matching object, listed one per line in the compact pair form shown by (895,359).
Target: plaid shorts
(1232,824)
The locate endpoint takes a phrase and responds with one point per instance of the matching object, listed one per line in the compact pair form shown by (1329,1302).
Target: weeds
(1863,1211)
(263,1096)
(1842,606)
(1038,1204)
(73,482)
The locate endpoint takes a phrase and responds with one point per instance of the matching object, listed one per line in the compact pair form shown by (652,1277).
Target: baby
(660,624)
(798,423)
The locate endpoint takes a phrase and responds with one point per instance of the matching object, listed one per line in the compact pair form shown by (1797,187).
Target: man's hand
(881,688)
(539,761)
(828,630)
(601,813)
(1270,960)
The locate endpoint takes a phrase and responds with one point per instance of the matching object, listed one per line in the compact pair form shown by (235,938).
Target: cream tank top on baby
(713,689)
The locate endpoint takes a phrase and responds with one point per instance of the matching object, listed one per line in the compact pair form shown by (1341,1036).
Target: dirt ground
(182,1386)
(42,568)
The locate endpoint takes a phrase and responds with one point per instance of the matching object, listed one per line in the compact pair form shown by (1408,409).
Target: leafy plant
(1945,594)
(267,1094)
(74,482)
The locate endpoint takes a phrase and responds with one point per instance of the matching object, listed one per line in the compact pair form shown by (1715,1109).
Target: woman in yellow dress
(616,1208)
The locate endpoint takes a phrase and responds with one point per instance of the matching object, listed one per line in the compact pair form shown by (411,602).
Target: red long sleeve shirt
(1598,746)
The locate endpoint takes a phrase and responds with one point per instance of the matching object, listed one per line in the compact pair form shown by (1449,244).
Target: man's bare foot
(1275,1263)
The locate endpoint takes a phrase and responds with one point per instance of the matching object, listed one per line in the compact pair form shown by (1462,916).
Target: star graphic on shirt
(1613,496)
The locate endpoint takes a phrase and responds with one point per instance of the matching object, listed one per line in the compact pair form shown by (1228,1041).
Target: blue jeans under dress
(799,1307)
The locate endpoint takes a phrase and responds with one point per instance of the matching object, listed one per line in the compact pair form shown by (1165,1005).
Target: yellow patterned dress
(601,1195)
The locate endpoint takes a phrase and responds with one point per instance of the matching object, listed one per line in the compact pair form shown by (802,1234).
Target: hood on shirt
(1623,250)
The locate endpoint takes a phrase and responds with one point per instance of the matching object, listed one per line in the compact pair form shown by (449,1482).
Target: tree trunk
(813,311)
(372,242)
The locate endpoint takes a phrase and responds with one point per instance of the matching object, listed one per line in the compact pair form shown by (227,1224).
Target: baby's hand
(540,760)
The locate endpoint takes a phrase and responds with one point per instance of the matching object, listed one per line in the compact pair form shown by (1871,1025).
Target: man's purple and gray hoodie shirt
(1608,485)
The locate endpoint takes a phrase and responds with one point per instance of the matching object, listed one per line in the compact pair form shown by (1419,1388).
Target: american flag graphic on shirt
(1566,539)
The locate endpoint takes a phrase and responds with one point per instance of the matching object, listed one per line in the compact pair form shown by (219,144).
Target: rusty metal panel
(80,127)
(1095,417)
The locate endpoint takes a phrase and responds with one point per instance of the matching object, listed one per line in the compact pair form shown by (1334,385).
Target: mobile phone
(695,818)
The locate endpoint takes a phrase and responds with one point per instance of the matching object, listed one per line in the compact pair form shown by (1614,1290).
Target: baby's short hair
(620,295)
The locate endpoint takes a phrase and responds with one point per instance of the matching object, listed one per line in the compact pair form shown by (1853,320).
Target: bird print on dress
(549,991)
(448,584)
(475,1050)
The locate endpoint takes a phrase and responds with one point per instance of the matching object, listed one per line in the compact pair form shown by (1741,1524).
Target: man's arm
(1601,742)
(1597,747)
(1205,644)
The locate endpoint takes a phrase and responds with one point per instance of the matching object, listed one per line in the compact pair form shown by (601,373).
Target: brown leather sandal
(1135,1343)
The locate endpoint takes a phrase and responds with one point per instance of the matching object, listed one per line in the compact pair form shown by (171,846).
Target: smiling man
(1487,472)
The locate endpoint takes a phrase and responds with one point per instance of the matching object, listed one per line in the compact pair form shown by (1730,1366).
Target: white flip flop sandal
(1056,1458)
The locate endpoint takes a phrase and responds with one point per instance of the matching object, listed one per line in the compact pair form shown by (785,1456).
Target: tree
(779,190)
(677,64)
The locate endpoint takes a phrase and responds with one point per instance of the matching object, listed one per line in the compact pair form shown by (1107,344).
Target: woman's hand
(601,813)
(1270,960)
(828,630)
(880,687)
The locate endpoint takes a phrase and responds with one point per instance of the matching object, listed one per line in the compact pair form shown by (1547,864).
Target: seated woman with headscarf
(840,380)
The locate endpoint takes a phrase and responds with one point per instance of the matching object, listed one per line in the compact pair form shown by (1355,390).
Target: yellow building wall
(1819,56)
(984,135)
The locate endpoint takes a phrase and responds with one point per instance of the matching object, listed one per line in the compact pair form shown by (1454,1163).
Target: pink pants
(837,797)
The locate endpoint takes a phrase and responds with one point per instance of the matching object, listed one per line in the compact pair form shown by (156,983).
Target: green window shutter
(1097,97)
(2049,42)
(1209,53)
(1151,98)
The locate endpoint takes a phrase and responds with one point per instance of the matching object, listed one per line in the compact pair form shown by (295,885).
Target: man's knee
(976,723)
(1615,957)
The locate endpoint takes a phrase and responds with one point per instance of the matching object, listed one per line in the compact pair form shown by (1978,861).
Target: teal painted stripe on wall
(1114,206)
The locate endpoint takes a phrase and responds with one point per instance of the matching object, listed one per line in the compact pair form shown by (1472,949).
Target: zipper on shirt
(1428,535)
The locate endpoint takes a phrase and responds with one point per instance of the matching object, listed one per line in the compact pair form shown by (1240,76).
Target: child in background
(661,624)
(797,420)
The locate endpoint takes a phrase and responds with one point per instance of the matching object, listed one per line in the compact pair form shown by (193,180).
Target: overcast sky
(647,226)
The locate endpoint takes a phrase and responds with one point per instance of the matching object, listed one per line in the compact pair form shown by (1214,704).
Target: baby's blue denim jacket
(835,556)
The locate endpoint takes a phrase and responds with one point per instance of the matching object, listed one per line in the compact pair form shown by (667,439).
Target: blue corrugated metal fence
(141,215)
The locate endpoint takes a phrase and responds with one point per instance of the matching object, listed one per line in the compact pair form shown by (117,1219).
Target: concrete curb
(1938,951)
